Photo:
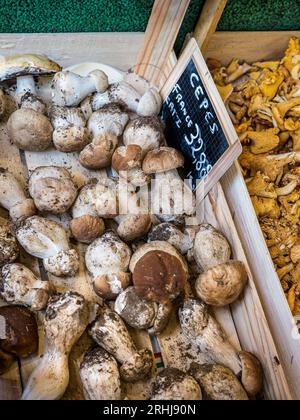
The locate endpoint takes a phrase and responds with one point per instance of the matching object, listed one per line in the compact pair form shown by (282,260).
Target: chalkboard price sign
(196,120)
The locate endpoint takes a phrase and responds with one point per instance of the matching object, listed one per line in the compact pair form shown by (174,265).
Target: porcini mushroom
(168,232)
(173,384)
(105,126)
(100,377)
(127,162)
(222,284)
(162,159)
(70,131)
(20,286)
(13,198)
(69,89)
(110,332)
(66,318)
(159,271)
(9,249)
(210,247)
(47,239)
(218,382)
(204,332)
(107,260)
(52,189)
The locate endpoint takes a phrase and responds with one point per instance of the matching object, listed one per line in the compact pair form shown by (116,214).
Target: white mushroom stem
(287,189)
(110,332)
(67,316)
(13,198)
(25,84)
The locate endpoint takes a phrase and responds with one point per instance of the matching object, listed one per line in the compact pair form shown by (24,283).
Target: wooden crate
(259,46)
(245,321)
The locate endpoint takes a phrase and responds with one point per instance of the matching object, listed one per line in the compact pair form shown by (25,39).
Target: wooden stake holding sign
(197,122)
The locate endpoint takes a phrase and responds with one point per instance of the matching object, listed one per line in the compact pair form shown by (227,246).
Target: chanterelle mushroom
(13,198)
(9,249)
(100,377)
(107,259)
(110,332)
(204,332)
(173,384)
(19,285)
(47,239)
(66,318)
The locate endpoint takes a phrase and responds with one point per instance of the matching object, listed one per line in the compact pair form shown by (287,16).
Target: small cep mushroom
(222,284)
(9,249)
(105,127)
(218,383)
(107,260)
(168,232)
(69,89)
(146,132)
(100,377)
(159,272)
(52,189)
(210,247)
(47,239)
(127,162)
(70,131)
(110,332)
(162,160)
(20,286)
(205,333)
(13,198)
(173,384)
(21,332)
(66,318)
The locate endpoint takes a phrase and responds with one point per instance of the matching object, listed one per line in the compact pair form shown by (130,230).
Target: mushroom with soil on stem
(218,382)
(99,375)
(105,127)
(28,127)
(19,337)
(107,260)
(52,189)
(174,384)
(110,333)
(47,239)
(181,240)
(9,249)
(20,286)
(13,198)
(66,318)
(205,333)
(70,132)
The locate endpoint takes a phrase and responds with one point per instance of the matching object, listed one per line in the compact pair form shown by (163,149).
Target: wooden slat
(163,27)
(249,46)
(208,22)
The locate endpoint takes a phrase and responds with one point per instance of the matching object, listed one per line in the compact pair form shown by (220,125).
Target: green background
(132,15)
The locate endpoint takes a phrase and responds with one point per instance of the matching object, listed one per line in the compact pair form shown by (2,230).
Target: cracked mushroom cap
(52,189)
(100,377)
(30,130)
(210,247)
(218,382)
(23,64)
(21,331)
(173,384)
(146,132)
(107,259)
(20,286)
(162,160)
(222,285)
(159,272)
(9,249)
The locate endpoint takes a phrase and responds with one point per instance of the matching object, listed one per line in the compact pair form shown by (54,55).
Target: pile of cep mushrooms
(263,100)
(141,265)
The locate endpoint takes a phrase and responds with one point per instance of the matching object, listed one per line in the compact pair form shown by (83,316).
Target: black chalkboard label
(196,120)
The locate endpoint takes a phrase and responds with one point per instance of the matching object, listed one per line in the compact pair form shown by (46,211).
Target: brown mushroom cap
(110,285)
(21,331)
(6,361)
(221,285)
(98,154)
(133,226)
(162,160)
(87,228)
(30,130)
(252,373)
(70,139)
(127,157)
(159,271)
